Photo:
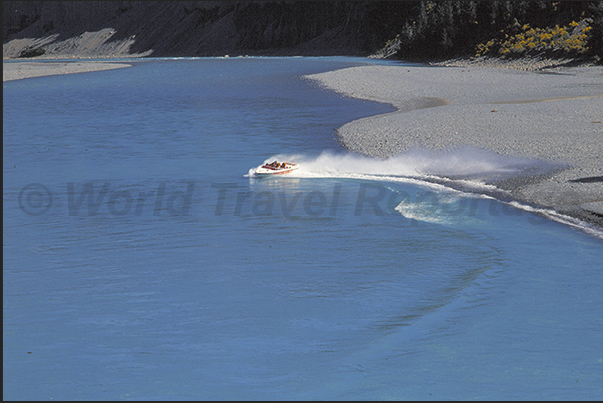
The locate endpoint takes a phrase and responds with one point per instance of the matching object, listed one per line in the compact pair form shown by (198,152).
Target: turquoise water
(143,261)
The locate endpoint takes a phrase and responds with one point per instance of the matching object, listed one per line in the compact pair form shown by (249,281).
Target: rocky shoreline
(534,63)
(21,70)
(548,115)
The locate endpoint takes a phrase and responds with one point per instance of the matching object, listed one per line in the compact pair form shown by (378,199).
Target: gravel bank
(553,116)
(19,70)
(533,63)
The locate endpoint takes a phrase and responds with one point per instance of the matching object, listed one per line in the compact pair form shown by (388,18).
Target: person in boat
(276,165)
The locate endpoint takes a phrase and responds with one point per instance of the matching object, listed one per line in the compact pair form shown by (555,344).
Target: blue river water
(143,261)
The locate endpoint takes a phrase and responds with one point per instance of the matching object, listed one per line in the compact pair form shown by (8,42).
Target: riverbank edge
(587,207)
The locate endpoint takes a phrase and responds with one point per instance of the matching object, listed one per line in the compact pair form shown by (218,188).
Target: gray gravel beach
(20,70)
(552,116)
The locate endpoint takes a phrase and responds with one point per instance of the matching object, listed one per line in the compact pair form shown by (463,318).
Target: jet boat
(276,168)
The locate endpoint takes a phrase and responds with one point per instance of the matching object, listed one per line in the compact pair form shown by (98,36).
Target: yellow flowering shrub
(572,39)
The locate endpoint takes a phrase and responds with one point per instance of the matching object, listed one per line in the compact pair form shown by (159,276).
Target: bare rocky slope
(195,28)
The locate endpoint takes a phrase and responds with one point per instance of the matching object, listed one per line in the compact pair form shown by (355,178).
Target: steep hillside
(425,30)
(201,28)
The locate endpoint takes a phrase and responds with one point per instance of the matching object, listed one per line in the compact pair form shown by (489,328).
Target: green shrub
(32,52)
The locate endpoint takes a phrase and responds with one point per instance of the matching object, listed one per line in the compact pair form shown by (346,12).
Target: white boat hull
(266,170)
